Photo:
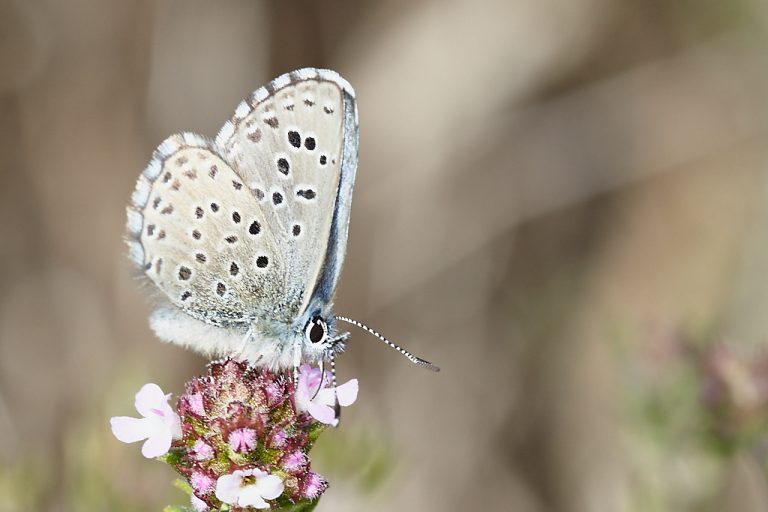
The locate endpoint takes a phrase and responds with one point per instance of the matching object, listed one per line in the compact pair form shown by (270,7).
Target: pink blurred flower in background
(160,425)
(735,388)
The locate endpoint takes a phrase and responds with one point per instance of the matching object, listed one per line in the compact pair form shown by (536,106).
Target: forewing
(199,234)
(294,142)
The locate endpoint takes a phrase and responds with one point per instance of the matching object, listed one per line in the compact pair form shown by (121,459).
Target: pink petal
(200,482)
(270,486)
(278,439)
(169,417)
(150,397)
(202,450)
(294,461)
(242,439)
(309,379)
(196,403)
(228,487)
(325,396)
(255,472)
(130,430)
(304,371)
(321,413)
(173,422)
(250,497)
(157,445)
(347,392)
(273,392)
(313,486)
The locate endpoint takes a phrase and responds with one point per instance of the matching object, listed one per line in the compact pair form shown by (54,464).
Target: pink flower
(202,450)
(295,461)
(242,490)
(313,486)
(273,392)
(278,439)
(242,440)
(196,404)
(201,482)
(321,407)
(159,425)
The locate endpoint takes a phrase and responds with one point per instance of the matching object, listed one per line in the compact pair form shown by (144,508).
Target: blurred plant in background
(695,408)
(734,390)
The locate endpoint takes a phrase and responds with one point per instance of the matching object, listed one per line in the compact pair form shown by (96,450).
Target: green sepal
(301,506)
(314,432)
(173,457)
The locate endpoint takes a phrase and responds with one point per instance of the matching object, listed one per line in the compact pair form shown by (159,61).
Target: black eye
(316,330)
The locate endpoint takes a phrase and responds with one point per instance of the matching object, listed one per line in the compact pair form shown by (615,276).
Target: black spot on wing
(283,166)
(294,139)
(306,194)
(184,273)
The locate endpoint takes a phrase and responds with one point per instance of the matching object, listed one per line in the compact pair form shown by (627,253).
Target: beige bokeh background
(537,179)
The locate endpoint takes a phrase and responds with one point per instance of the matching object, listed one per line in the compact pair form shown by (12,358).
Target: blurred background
(563,203)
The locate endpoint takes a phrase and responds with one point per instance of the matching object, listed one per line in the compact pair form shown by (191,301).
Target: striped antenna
(333,371)
(415,360)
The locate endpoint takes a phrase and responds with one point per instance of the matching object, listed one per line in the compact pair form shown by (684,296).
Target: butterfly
(244,235)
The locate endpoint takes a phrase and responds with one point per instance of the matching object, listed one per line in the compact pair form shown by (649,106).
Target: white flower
(248,488)
(159,425)
(321,407)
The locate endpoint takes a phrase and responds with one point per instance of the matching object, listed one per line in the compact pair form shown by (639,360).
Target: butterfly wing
(295,140)
(253,225)
(200,235)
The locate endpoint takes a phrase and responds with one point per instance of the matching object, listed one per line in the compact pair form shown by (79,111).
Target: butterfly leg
(296,361)
(241,349)
(322,379)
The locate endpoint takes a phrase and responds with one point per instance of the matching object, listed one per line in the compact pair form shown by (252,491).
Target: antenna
(415,360)
(333,370)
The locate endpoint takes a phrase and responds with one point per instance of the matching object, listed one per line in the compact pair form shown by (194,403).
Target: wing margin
(325,287)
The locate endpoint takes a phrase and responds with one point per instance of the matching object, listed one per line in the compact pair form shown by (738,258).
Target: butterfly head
(320,338)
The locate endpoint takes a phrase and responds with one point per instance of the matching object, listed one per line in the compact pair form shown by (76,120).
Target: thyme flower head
(242,435)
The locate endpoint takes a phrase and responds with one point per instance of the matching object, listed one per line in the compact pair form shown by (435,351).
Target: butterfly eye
(316,330)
